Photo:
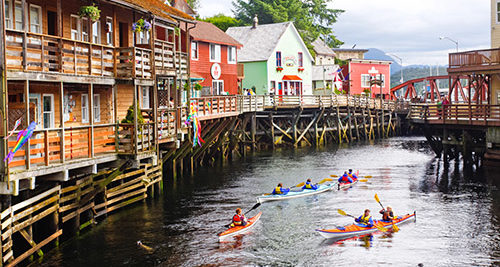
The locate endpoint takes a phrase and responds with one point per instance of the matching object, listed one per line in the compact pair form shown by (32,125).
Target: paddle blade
(380,228)
(376,198)
(363,180)
(341,212)
(325,180)
(301,184)
(368,176)
(254,207)
(334,176)
(395,228)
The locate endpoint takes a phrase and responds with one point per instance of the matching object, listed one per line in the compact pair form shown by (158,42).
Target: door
(123,28)
(52,23)
(280,88)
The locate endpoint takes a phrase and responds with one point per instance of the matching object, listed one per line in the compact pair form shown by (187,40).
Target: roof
(258,43)
(207,32)
(321,48)
(349,50)
(160,9)
(371,61)
(183,6)
(328,70)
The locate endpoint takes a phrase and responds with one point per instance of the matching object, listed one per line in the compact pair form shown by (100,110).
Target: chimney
(255,22)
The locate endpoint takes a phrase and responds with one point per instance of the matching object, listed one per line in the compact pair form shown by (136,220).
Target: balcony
(133,62)
(487,60)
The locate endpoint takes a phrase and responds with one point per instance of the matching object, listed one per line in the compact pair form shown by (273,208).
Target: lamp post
(401,60)
(451,40)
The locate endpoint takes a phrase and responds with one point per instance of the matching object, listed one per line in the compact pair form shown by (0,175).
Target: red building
(359,72)
(214,59)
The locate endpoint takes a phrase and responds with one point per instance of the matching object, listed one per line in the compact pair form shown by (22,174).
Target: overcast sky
(409,29)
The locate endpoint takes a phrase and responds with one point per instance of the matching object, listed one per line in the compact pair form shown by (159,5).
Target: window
(145,97)
(231,54)
(35,19)
(365,80)
(278,59)
(498,11)
(97,108)
(142,37)
(18,13)
(85,29)
(214,53)
(383,80)
(85,108)
(301,60)
(218,87)
(8,14)
(75,27)
(109,31)
(194,50)
(48,111)
(96,32)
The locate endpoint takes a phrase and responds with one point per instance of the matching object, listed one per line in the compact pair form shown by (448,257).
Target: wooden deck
(457,114)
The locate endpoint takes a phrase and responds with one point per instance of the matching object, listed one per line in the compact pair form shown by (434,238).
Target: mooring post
(253,129)
(271,122)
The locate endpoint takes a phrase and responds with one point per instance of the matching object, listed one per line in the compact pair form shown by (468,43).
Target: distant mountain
(377,54)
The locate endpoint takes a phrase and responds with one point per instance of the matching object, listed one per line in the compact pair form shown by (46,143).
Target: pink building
(359,72)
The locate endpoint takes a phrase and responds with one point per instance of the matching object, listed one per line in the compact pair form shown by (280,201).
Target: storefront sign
(216,71)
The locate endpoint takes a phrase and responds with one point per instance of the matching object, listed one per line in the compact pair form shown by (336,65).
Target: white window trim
(217,55)
(86,96)
(145,98)
(96,102)
(85,21)
(52,112)
(142,37)
(78,31)
(218,83)
(40,16)
(197,50)
(364,85)
(230,50)
(111,32)
(9,17)
(98,23)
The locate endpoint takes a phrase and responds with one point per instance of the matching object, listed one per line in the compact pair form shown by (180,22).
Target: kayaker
(387,214)
(352,175)
(365,219)
(310,185)
(239,219)
(345,178)
(279,190)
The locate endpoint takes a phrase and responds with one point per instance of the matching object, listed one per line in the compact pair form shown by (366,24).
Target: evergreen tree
(312,18)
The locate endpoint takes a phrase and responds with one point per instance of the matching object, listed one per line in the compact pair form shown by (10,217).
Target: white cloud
(410,29)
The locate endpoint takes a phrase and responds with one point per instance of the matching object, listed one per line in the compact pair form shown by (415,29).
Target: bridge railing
(474,114)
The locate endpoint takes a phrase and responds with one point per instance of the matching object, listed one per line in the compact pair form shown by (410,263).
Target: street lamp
(448,38)
(401,60)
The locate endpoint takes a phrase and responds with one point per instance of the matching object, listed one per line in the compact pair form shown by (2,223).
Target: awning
(196,77)
(291,78)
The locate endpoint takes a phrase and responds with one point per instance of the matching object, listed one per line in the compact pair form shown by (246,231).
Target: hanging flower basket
(197,87)
(92,12)
(279,69)
(141,25)
(301,69)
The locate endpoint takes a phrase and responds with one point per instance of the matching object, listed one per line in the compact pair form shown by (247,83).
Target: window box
(301,69)
(279,69)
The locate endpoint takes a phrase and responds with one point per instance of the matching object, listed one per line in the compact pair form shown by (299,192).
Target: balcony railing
(474,114)
(475,60)
(164,61)
(134,62)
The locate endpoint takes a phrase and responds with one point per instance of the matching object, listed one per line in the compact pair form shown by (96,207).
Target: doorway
(52,23)
(123,31)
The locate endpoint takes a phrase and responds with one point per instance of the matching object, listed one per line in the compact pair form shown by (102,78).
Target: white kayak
(295,194)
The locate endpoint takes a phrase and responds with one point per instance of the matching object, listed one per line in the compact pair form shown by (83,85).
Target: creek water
(458,214)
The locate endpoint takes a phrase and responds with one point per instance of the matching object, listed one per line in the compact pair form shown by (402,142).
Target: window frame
(9,17)
(217,52)
(142,37)
(85,115)
(110,32)
(78,31)
(96,103)
(96,32)
(145,98)
(365,83)
(40,17)
(497,21)
(84,22)
(301,59)
(278,59)
(15,20)
(231,54)
(195,55)
(51,112)
(220,86)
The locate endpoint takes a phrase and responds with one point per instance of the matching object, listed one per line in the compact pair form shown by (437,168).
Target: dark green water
(458,215)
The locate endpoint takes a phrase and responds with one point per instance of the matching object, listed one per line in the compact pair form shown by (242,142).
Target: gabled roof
(207,32)
(160,9)
(349,50)
(183,6)
(260,42)
(321,48)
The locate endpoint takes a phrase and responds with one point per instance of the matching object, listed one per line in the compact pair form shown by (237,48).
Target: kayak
(356,230)
(238,230)
(295,194)
(346,185)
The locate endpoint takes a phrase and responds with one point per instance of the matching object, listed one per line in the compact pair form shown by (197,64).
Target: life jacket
(386,215)
(309,185)
(353,176)
(277,191)
(237,220)
(365,219)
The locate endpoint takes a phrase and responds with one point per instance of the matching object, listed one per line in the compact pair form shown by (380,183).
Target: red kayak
(233,231)
(346,185)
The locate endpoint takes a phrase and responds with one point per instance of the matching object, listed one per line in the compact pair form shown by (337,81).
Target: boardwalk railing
(485,59)
(474,114)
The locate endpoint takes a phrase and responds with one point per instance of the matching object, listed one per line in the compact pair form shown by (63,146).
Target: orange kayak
(357,229)
(238,230)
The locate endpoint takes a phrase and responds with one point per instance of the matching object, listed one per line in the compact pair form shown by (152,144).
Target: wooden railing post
(46,146)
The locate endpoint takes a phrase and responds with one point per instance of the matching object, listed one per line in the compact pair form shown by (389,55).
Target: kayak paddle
(363,180)
(341,212)
(325,180)
(254,207)
(334,176)
(394,227)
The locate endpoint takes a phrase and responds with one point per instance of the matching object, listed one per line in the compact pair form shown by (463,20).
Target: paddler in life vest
(279,190)
(365,219)
(345,178)
(239,219)
(387,214)
(352,175)
(310,185)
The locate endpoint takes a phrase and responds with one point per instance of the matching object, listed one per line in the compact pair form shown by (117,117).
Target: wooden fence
(474,114)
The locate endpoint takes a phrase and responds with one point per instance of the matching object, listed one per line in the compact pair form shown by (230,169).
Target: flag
(18,122)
